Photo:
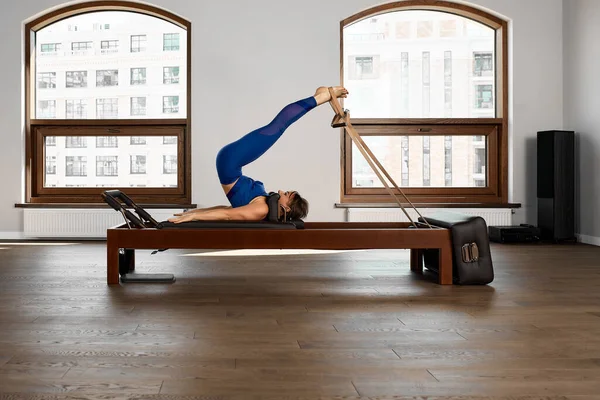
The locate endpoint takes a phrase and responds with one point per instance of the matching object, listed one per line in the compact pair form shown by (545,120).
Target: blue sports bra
(244,190)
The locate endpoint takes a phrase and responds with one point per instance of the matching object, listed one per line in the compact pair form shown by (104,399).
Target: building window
(46,80)
(169,164)
(404,87)
(137,140)
(426,161)
(448,28)
(138,43)
(364,66)
(50,47)
(51,165)
(76,79)
(138,106)
(170,75)
(170,104)
(483,64)
(96,34)
(107,108)
(81,46)
(46,109)
(107,141)
(137,165)
(424,29)
(448,160)
(447,84)
(76,109)
(484,97)
(76,166)
(75,142)
(169,139)
(479,162)
(405,161)
(107,166)
(109,46)
(426,72)
(107,77)
(171,41)
(138,76)
(403,29)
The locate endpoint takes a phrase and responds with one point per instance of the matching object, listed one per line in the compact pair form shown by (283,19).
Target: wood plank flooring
(322,325)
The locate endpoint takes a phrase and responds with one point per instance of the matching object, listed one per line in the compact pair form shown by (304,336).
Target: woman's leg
(251,146)
(247,149)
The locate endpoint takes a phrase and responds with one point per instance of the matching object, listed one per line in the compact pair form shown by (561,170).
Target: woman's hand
(188,212)
(183,217)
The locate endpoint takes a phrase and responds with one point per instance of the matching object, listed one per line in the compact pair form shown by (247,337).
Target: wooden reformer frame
(414,235)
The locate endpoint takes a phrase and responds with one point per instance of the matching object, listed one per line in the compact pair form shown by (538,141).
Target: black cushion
(228,225)
(272,202)
(464,230)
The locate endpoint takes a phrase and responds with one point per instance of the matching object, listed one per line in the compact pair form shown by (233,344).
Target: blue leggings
(243,151)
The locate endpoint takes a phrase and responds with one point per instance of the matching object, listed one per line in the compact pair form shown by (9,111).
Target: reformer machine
(428,242)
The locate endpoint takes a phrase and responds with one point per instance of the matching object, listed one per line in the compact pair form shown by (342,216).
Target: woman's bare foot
(322,94)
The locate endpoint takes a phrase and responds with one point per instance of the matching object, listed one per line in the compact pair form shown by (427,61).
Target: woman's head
(293,205)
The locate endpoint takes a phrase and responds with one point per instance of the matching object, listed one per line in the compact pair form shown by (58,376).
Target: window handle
(424,130)
(113,130)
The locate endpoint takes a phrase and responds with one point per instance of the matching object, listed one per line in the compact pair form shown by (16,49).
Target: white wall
(251,58)
(582,105)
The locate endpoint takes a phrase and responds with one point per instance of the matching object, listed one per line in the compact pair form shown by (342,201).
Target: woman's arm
(251,212)
(199,210)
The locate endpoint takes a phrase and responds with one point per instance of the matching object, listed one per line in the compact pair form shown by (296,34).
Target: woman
(247,196)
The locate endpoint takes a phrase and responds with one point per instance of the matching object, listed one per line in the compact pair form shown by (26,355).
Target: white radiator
(492,216)
(77,223)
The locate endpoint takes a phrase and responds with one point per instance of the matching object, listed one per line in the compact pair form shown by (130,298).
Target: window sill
(101,205)
(427,205)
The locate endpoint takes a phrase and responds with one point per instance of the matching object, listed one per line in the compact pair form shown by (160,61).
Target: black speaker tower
(556,185)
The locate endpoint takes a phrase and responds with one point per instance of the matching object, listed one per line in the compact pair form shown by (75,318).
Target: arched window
(429,96)
(107,104)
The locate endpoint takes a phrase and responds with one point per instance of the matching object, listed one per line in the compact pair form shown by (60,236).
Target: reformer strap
(342,119)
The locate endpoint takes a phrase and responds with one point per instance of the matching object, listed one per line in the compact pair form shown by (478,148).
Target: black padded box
(471,255)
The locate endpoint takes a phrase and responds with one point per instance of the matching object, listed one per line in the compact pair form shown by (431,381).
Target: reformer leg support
(127,270)
(123,260)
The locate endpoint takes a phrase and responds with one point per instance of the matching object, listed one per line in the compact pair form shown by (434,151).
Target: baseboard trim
(593,240)
(9,235)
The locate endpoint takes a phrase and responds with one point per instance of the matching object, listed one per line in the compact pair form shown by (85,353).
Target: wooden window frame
(496,129)
(37,129)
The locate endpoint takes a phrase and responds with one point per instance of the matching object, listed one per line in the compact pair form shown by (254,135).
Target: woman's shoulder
(256,210)
(259,200)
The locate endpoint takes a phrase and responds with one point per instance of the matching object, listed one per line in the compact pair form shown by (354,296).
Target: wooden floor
(337,325)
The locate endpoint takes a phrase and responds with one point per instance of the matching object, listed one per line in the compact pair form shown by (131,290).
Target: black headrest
(273,216)
(273,203)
